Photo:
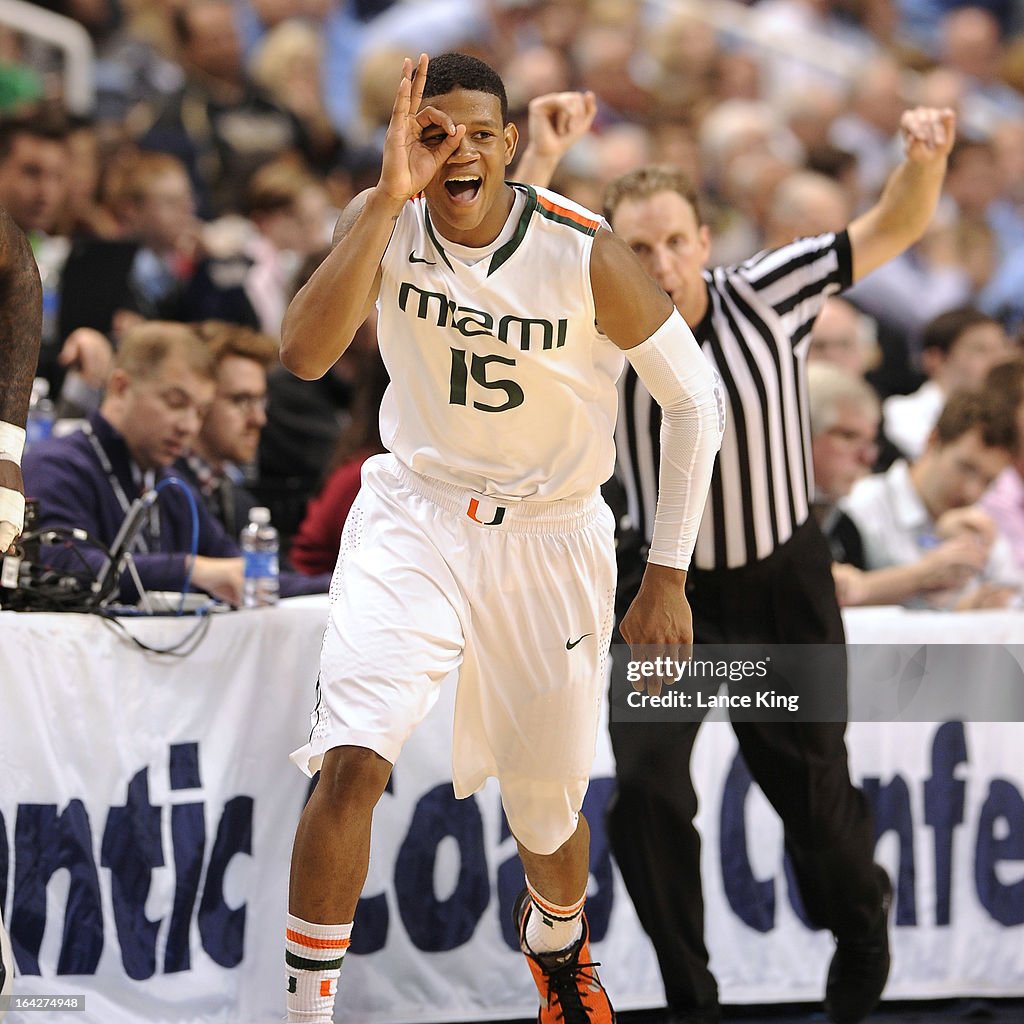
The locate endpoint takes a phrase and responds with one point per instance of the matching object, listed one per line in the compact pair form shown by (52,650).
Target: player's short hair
(450,71)
(145,347)
(966,410)
(227,339)
(649,181)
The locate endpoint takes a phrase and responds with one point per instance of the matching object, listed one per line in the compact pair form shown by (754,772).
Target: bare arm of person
(21,316)
(988,595)
(21,319)
(910,196)
(323,317)
(948,567)
(891,585)
(629,304)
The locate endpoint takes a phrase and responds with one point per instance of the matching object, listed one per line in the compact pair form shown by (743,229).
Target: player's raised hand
(928,133)
(410,161)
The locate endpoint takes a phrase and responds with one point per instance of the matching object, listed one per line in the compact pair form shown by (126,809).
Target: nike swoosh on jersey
(413,258)
(570,644)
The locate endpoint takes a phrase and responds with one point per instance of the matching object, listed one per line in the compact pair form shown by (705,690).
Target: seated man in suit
(158,393)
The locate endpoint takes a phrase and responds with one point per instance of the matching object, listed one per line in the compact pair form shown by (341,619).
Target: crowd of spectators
(225,135)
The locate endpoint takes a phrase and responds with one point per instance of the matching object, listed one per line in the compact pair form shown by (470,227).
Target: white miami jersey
(501,381)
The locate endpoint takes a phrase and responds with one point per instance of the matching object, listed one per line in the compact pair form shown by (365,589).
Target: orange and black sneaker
(570,990)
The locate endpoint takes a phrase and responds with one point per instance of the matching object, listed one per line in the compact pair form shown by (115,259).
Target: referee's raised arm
(910,196)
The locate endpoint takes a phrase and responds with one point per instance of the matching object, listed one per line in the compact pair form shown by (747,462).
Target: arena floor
(948,1011)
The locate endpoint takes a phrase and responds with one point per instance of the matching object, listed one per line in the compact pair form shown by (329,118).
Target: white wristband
(12,516)
(12,442)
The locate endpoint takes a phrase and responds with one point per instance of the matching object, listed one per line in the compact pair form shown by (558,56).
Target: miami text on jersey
(469,322)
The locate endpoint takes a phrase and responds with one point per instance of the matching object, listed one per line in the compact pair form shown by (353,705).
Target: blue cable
(178,482)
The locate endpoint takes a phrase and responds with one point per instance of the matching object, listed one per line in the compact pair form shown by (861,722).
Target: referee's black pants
(787,598)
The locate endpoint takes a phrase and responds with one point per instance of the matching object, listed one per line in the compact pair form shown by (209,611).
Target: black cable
(197,633)
(68,546)
(54,589)
(57,590)
(68,532)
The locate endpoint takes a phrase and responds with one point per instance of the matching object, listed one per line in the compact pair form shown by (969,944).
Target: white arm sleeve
(686,386)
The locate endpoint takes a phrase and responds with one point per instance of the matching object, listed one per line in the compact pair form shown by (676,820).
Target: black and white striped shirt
(756,333)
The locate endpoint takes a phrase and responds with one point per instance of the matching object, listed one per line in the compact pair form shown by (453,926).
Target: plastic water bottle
(51,253)
(259,549)
(41,413)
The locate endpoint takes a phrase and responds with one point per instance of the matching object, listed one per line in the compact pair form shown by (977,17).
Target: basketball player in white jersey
(21,312)
(480,543)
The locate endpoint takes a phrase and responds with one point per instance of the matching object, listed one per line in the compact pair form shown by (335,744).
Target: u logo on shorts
(474,507)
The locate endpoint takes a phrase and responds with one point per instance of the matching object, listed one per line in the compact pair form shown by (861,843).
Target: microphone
(124,541)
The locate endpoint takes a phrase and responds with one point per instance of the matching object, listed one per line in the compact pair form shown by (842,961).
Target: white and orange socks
(313,957)
(549,927)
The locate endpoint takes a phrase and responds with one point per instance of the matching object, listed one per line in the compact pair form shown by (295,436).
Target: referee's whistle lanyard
(153,524)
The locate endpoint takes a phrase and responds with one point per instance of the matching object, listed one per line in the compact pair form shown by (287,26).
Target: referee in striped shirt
(760,571)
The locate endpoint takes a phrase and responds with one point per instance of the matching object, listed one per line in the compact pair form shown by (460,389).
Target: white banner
(148,810)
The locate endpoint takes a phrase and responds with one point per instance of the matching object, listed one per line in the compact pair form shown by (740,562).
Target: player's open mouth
(463,189)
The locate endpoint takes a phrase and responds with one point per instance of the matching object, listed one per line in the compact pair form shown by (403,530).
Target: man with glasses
(844,417)
(230,434)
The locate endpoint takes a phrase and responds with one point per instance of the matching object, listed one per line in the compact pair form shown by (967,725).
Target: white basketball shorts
(516,597)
